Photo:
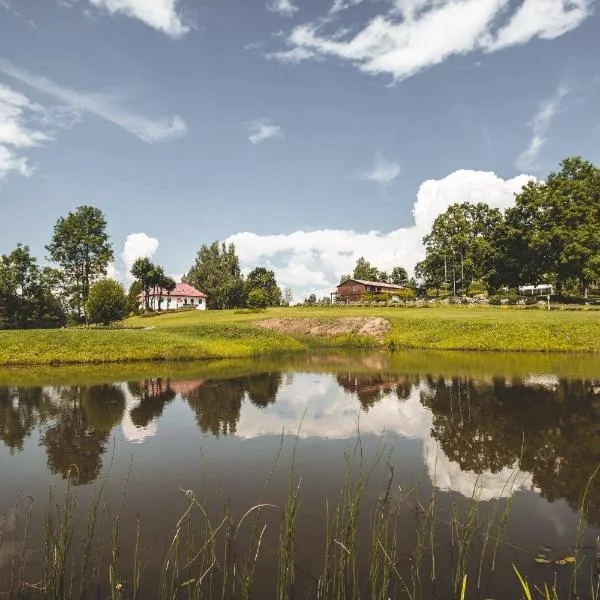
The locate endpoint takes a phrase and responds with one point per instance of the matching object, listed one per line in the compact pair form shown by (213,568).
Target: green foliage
(258,298)
(26,292)
(399,276)
(365,270)
(106,302)
(80,246)
(263,279)
(476,288)
(216,272)
(459,247)
(406,294)
(553,231)
(133,303)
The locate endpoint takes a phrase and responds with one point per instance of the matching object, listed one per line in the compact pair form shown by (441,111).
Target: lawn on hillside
(230,334)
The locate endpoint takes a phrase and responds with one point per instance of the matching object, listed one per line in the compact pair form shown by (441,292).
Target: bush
(257,298)
(406,294)
(106,302)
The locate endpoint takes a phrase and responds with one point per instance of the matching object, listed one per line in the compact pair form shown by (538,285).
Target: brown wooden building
(353,290)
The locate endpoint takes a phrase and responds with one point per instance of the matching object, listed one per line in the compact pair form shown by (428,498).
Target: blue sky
(309,132)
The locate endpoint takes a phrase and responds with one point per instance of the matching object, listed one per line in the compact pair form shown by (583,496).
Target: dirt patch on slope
(375,327)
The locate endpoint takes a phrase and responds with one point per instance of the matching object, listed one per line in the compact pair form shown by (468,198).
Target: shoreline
(220,335)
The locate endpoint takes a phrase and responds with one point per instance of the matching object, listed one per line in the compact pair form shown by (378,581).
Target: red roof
(181,289)
(381,284)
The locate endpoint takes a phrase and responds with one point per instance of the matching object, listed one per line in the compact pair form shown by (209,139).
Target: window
(354,288)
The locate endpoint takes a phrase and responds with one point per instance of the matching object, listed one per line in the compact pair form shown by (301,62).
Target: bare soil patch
(375,327)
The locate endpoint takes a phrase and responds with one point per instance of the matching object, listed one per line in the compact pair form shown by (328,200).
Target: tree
(143,270)
(257,298)
(264,279)
(26,292)
(555,226)
(311,300)
(80,246)
(345,277)
(365,270)
(460,239)
(133,302)
(399,276)
(106,302)
(216,271)
(288,296)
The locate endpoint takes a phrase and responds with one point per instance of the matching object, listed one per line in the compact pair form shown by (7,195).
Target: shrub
(406,294)
(106,302)
(257,298)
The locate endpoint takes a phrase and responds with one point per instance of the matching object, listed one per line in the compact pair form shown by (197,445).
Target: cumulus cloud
(285,8)
(261,130)
(312,261)
(104,106)
(384,171)
(326,411)
(16,134)
(540,126)
(414,35)
(138,245)
(158,14)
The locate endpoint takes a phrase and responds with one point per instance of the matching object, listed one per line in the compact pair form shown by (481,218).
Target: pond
(324,476)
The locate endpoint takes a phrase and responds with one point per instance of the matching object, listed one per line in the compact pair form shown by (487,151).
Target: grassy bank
(226,334)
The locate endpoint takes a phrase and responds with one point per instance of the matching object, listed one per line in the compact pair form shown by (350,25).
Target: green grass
(199,335)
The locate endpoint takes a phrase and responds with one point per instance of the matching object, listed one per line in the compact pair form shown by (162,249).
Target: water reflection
(538,432)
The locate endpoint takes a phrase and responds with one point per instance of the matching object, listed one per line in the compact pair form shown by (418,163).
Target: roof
(181,289)
(381,284)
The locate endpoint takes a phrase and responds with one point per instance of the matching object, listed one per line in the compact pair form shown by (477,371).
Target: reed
(205,557)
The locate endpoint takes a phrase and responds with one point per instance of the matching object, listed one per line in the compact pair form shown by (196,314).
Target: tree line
(76,289)
(550,236)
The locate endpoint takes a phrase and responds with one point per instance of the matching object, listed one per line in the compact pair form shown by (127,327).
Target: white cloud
(16,135)
(339,5)
(384,171)
(414,35)
(158,14)
(312,261)
(286,8)
(547,19)
(104,106)
(137,245)
(540,126)
(262,130)
(327,412)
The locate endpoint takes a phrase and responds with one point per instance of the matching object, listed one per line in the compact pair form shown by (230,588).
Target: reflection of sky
(132,432)
(321,408)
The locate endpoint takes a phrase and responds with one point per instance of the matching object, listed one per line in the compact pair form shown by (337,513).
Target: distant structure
(353,290)
(536,290)
(182,296)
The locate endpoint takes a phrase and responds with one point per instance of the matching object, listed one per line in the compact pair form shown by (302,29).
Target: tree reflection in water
(217,403)
(371,388)
(22,410)
(548,427)
(81,429)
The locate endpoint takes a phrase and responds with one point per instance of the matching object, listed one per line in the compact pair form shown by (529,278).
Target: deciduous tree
(216,271)
(81,247)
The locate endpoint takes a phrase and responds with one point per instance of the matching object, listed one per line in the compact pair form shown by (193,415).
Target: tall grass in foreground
(205,557)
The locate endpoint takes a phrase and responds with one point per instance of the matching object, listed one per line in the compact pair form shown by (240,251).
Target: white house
(182,296)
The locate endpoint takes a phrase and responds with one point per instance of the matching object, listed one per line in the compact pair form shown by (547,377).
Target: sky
(307,132)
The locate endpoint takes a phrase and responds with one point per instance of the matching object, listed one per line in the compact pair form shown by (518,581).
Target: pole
(453,276)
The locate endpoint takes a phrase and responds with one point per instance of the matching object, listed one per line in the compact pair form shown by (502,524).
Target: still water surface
(528,442)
